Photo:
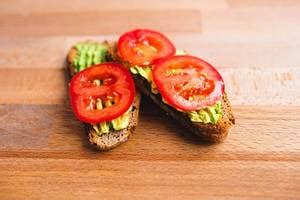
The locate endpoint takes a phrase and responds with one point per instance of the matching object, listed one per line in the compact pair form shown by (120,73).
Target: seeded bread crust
(112,139)
(208,132)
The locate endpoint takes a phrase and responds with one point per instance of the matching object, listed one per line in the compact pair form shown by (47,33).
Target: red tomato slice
(116,86)
(188,83)
(142,47)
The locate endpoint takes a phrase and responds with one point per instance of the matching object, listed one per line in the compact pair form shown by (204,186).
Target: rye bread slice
(208,132)
(113,138)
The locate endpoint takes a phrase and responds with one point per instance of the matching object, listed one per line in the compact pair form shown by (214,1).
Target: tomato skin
(142,47)
(117,84)
(188,83)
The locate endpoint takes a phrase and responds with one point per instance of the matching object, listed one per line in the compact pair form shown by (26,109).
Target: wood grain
(89,23)
(179,180)
(164,138)
(44,152)
(232,169)
(253,50)
(272,21)
(263,3)
(75,6)
(33,86)
(248,86)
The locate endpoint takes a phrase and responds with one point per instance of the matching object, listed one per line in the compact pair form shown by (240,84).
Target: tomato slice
(142,47)
(188,83)
(101,83)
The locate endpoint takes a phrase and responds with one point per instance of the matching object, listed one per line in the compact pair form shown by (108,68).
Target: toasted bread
(206,131)
(209,132)
(113,138)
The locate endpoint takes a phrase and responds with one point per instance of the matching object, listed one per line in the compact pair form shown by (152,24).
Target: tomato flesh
(142,47)
(103,82)
(188,83)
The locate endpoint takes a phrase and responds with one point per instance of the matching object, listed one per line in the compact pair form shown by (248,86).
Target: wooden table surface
(44,153)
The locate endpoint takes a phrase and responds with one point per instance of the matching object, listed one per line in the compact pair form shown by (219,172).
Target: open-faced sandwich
(102,95)
(186,87)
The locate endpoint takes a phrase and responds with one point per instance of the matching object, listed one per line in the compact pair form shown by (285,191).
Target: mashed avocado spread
(143,71)
(210,114)
(89,53)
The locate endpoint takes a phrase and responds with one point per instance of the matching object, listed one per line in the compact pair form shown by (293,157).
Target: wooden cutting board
(44,152)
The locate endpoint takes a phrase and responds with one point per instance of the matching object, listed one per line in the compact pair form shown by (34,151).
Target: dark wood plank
(259,151)
(126,179)
(52,131)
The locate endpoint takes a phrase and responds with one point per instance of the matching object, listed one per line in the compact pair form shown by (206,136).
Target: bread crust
(112,139)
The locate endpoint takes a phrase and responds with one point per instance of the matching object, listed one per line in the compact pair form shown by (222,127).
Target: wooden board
(44,152)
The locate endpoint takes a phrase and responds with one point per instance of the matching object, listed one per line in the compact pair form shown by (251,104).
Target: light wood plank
(228,50)
(243,50)
(33,86)
(258,86)
(41,52)
(263,3)
(88,23)
(246,86)
(245,20)
(75,6)
(273,21)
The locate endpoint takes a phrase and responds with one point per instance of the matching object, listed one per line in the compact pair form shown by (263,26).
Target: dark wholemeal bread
(208,132)
(114,138)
